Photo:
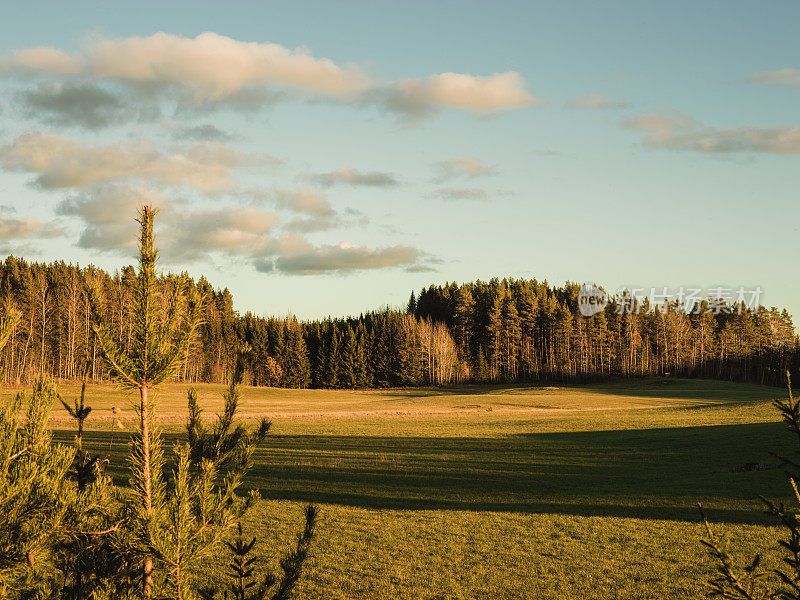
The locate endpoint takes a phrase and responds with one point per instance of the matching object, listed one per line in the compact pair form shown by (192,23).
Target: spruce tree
(381,353)
(246,587)
(404,350)
(753,344)
(83,465)
(296,367)
(360,365)
(411,307)
(345,370)
(314,347)
(330,376)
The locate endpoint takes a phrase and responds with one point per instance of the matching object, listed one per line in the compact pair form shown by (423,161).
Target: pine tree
(527,314)
(87,554)
(748,582)
(464,320)
(210,469)
(494,329)
(203,503)
(7,326)
(160,343)
(510,333)
(563,326)
(175,527)
(34,494)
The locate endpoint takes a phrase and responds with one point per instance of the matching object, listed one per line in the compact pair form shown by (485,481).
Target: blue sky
(327,158)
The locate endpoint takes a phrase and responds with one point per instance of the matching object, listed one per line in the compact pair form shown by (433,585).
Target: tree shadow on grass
(688,512)
(647,473)
(672,388)
(678,388)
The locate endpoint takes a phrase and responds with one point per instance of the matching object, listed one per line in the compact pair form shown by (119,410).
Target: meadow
(496,491)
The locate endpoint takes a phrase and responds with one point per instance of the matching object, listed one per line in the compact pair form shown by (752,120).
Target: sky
(322,158)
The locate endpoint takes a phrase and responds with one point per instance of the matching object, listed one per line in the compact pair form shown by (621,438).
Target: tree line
(524,330)
(55,335)
(510,330)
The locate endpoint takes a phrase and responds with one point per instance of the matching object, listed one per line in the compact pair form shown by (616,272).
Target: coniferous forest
(497,331)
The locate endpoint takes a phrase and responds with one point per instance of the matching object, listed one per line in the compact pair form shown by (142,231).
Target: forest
(509,330)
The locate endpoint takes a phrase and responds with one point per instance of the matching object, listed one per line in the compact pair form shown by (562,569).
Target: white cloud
(783,76)
(14,230)
(344,258)
(110,204)
(502,91)
(311,224)
(349,176)
(212,70)
(210,66)
(60,162)
(323,222)
(108,212)
(597,101)
(246,233)
(419,269)
(461,194)
(303,200)
(235,231)
(242,233)
(41,59)
(314,211)
(677,131)
(463,166)
(26,227)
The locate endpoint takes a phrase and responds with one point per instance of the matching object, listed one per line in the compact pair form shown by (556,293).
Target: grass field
(499,492)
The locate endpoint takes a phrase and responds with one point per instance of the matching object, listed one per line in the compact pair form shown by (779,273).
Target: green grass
(499,492)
